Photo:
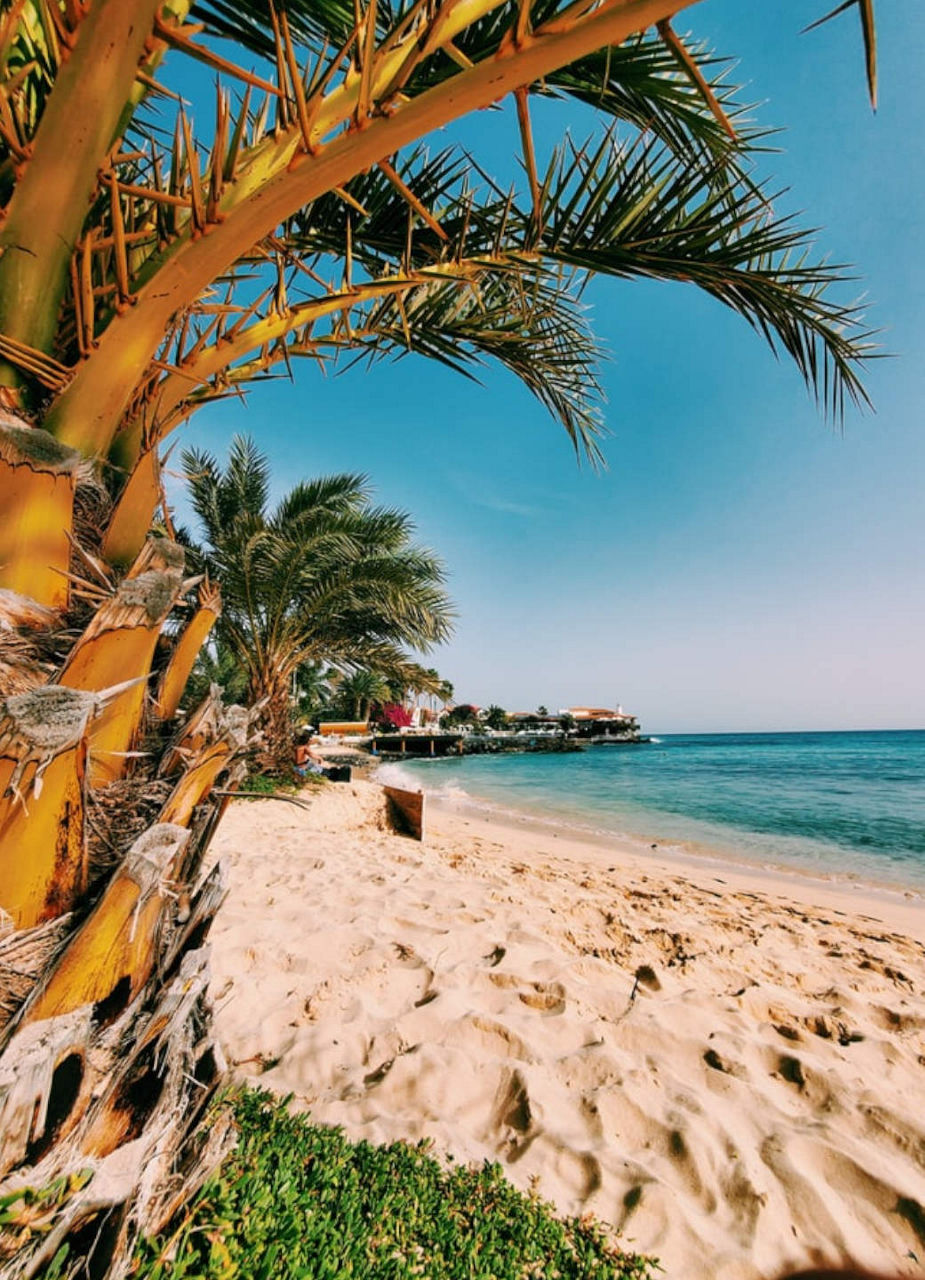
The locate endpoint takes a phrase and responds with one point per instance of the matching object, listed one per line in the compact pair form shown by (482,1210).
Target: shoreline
(726,1072)
(686,853)
(905,905)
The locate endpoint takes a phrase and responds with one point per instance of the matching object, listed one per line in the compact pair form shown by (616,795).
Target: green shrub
(267,783)
(296,1201)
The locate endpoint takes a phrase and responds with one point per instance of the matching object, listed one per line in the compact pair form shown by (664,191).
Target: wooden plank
(406,808)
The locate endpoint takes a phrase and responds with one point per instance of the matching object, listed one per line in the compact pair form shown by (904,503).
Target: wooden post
(406,810)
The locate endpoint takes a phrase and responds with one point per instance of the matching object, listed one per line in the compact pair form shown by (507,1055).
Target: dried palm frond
(116,815)
(24,956)
(92,508)
(19,612)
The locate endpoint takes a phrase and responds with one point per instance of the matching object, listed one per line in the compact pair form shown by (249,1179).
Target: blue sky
(741,564)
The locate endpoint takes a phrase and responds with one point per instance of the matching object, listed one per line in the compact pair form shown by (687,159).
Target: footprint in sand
(511,1108)
(893,1020)
(546,997)
(807,1084)
(580,1171)
(380,1073)
(486,1036)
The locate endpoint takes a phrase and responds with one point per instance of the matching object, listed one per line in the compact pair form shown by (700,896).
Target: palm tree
(445,693)
(314,687)
(496,717)
(145,272)
(361,688)
(323,577)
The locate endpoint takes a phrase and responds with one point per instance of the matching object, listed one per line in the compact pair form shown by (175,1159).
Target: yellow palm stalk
(196,783)
(133,514)
(118,647)
(193,637)
(43,755)
(111,956)
(37,481)
(94,81)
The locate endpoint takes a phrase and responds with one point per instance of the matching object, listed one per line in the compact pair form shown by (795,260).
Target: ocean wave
(396,775)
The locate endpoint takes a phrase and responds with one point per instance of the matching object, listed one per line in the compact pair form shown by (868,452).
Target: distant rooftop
(596,713)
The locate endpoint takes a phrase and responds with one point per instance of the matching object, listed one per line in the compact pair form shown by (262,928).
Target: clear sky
(741,564)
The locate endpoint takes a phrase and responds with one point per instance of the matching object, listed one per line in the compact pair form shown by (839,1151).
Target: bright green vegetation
(289,783)
(299,1202)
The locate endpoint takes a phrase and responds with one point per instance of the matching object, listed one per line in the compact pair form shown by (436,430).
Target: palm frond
(638,82)
(634,212)
(319,499)
(520,317)
(312,21)
(606,208)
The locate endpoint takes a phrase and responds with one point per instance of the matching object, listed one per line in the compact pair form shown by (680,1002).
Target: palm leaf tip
(869,32)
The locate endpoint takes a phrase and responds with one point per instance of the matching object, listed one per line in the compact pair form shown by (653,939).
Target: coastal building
(587,722)
(533,720)
(603,723)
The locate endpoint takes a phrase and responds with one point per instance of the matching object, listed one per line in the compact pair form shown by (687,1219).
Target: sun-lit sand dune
(728,1068)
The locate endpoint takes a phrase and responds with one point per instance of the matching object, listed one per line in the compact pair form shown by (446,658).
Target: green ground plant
(297,1200)
(269,783)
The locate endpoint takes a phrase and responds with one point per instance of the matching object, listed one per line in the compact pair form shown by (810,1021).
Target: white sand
(728,1069)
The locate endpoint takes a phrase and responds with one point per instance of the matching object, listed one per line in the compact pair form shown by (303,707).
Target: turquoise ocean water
(840,805)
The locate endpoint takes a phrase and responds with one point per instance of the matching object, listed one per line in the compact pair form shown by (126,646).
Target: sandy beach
(727,1067)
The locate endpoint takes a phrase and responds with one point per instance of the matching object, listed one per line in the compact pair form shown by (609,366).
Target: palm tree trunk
(106,1057)
(270,695)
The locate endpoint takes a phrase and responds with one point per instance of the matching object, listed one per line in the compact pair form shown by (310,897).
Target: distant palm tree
(322,577)
(216,664)
(314,687)
(361,688)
